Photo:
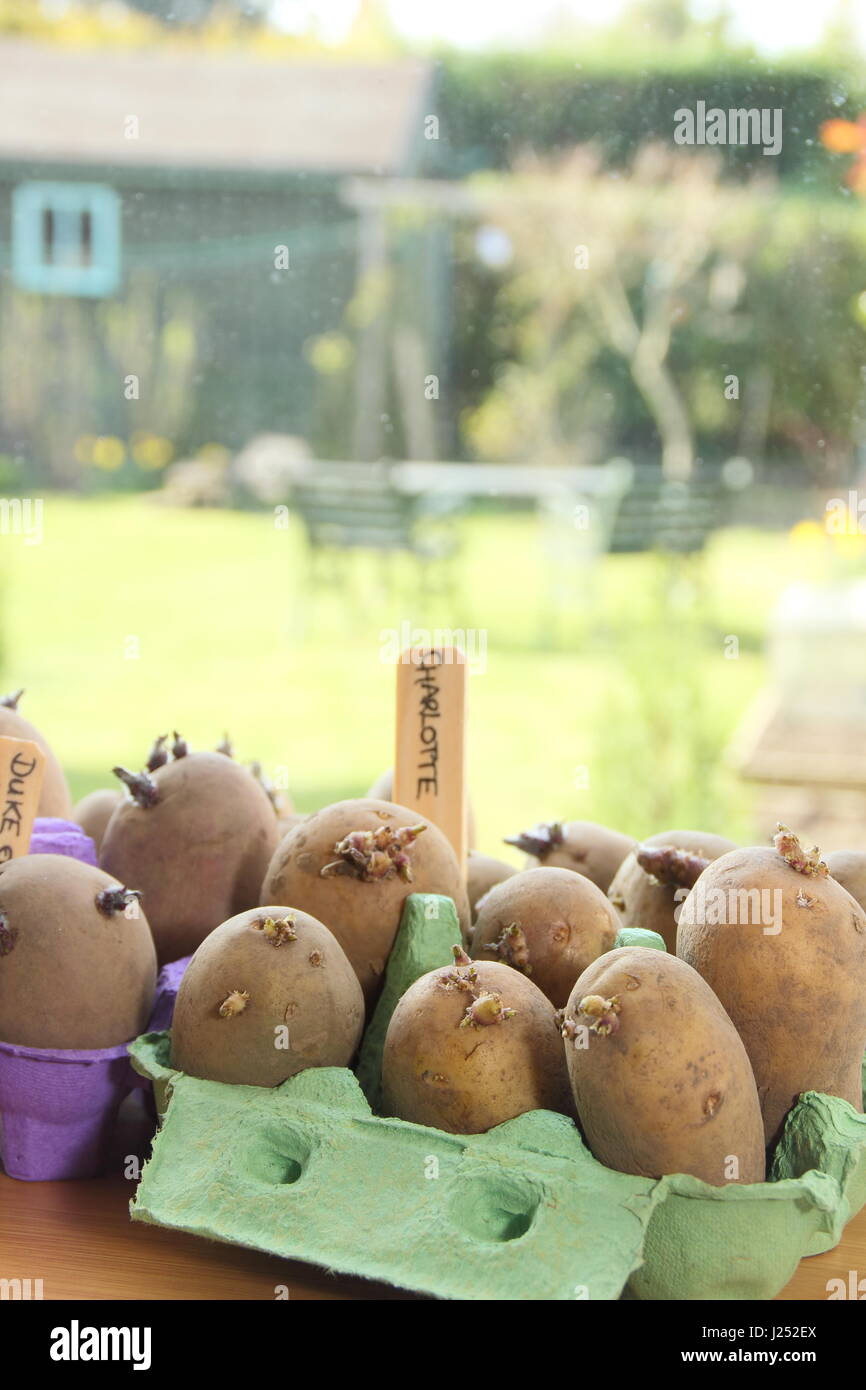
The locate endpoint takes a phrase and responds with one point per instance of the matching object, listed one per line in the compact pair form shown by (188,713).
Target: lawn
(603,697)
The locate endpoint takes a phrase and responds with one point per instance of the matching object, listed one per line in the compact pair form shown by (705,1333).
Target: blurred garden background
(318,324)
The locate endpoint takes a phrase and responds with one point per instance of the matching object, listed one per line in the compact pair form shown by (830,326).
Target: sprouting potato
(77,960)
(383,790)
(353,865)
(196,834)
(589,849)
(660,1078)
(654,879)
(784,947)
(268,994)
(547,923)
(470,1046)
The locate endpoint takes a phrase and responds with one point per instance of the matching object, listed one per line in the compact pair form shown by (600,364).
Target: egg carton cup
(58,1108)
(167,986)
(308,1171)
(51,835)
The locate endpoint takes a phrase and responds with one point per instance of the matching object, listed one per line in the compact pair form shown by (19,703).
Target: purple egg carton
(167,986)
(58,1108)
(53,836)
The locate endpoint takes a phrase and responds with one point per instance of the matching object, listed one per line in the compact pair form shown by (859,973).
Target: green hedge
(492,106)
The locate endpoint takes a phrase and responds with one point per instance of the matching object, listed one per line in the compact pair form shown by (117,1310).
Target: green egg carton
(308,1171)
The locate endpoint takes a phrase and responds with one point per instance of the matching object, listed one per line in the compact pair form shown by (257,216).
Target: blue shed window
(66,238)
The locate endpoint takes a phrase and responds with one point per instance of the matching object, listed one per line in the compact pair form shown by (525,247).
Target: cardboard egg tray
(308,1171)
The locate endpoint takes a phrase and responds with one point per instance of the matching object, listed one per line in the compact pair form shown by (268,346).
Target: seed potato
(649,897)
(196,835)
(470,1046)
(331,867)
(75,971)
(589,849)
(383,790)
(268,994)
(547,923)
(660,1078)
(788,962)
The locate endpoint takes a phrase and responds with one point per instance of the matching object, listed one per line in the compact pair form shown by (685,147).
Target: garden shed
(173,241)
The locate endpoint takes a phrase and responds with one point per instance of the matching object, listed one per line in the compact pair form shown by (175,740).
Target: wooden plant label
(22,767)
(430,761)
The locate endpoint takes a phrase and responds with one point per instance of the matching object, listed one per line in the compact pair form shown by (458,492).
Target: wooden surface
(77,1238)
